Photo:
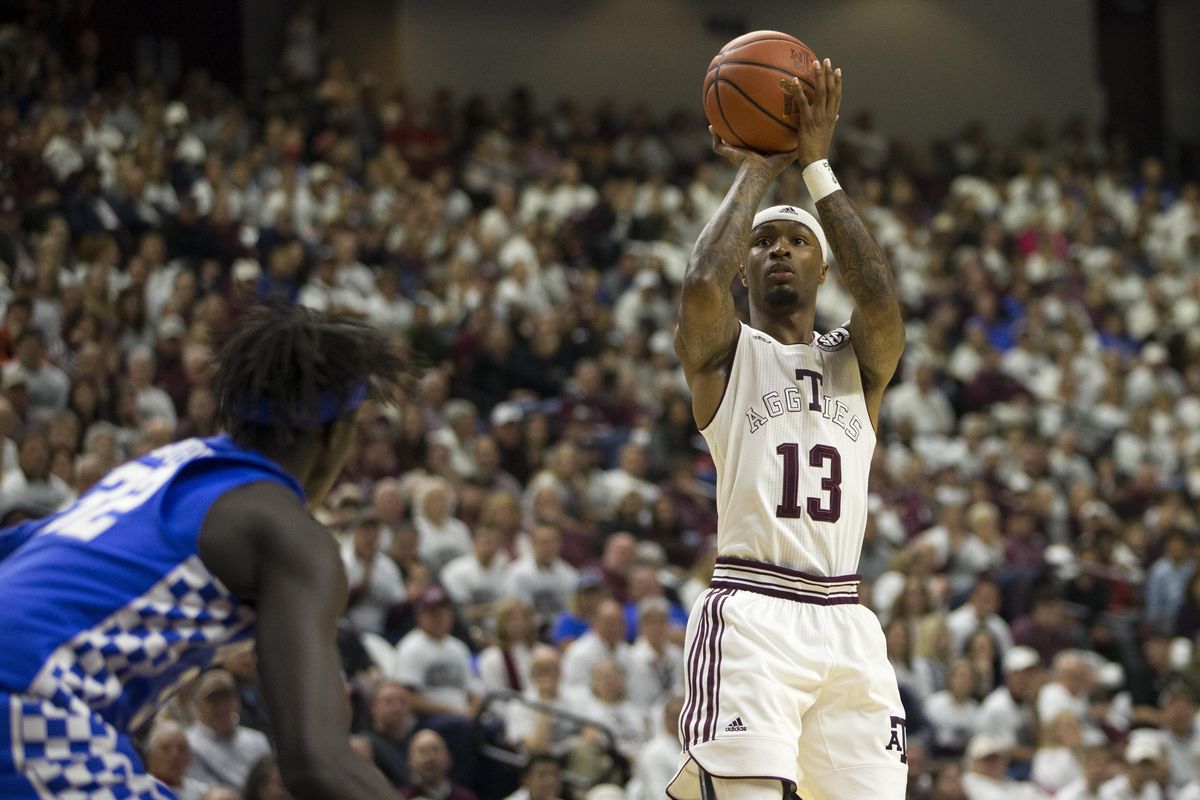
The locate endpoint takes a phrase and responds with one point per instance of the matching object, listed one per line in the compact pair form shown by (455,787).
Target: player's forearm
(721,246)
(864,268)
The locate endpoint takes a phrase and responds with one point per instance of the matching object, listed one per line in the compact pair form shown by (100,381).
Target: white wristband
(820,180)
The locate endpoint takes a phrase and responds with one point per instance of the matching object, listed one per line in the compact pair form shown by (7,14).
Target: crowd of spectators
(538,517)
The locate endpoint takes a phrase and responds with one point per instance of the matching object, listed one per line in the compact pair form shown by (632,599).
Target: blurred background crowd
(525,536)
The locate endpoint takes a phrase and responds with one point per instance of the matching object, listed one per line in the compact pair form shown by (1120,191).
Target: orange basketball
(742,97)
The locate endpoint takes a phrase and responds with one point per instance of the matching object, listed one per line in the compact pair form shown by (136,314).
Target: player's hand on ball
(737,156)
(815,119)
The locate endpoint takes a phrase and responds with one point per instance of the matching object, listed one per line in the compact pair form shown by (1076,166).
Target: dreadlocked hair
(284,371)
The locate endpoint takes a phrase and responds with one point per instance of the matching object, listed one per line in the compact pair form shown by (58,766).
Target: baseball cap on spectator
(346,495)
(443,437)
(319,172)
(1111,676)
(504,413)
(646,279)
(246,269)
(14,376)
(590,578)
(1143,748)
(171,326)
(433,597)
(984,745)
(1019,658)
(175,114)
(952,496)
(662,344)
(213,682)
(605,791)
(1154,353)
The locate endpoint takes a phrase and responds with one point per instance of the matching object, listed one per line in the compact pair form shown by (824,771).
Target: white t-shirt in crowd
(981,787)
(1000,715)
(544,588)
(652,678)
(1119,789)
(954,723)
(470,583)
(439,669)
(585,653)
(493,673)
(385,590)
(1055,767)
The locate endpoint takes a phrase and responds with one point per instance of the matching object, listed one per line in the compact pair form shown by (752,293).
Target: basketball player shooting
(174,561)
(788,686)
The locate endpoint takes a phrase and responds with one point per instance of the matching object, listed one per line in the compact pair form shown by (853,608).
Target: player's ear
(824,269)
(742,273)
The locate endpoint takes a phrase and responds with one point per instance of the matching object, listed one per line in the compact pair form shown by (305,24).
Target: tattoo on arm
(719,250)
(868,277)
(863,266)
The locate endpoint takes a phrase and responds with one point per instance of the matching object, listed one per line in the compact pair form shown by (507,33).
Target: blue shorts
(47,751)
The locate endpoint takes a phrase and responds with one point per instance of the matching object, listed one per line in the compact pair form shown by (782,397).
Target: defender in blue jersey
(178,559)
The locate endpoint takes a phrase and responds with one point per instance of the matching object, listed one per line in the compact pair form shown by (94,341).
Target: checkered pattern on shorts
(187,610)
(69,756)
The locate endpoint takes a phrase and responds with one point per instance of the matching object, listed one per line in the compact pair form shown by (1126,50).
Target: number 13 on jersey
(831,484)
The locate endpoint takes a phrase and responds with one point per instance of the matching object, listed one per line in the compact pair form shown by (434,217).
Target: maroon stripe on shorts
(715,668)
(691,706)
(703,663)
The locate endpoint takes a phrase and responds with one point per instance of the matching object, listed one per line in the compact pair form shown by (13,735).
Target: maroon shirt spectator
(1047,628)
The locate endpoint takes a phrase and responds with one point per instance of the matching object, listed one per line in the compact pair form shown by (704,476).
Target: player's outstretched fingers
(837,91)
(830,89)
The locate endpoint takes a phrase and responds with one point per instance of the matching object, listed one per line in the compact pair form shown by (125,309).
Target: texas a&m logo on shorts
(899,739)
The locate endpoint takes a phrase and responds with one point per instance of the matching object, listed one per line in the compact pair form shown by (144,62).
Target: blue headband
(330,406)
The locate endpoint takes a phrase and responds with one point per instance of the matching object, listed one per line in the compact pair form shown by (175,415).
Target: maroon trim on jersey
(728,374)
(784,594)
(734,561)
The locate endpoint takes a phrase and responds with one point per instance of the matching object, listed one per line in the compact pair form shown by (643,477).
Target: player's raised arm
(876,327)
(708,326)
(263,545)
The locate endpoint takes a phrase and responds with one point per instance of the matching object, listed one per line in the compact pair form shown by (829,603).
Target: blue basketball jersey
(106,608)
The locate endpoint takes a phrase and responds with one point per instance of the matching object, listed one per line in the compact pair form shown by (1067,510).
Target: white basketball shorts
(787,678)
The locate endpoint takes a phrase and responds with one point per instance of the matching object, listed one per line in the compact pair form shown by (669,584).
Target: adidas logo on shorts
(736,726)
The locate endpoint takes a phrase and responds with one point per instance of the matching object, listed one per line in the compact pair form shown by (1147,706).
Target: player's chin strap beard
(782,297)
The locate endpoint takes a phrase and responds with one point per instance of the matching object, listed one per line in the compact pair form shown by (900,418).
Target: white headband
(793,214)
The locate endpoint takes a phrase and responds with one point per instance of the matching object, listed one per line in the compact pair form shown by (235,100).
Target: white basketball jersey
(792,442)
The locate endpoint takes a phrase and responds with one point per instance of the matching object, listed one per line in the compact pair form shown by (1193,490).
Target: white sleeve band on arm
(820,180)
